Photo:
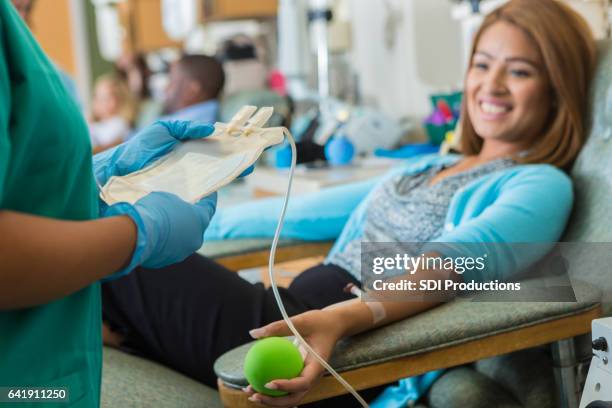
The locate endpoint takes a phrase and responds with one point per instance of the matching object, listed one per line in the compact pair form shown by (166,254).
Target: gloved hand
(169,229)
(148,145)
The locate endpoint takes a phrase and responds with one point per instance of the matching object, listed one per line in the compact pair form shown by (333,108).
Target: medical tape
(378,309)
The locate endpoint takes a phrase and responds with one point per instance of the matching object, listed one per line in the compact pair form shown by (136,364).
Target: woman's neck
(493,150)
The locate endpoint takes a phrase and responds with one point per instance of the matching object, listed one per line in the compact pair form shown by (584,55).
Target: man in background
(195,83)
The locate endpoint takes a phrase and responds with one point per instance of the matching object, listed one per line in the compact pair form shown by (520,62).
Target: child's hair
(568,50)
(121,91)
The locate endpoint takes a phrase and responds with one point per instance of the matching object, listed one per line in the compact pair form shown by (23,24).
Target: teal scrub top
(45,169)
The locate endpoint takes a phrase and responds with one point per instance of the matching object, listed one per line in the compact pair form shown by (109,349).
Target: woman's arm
(533,207)
(322,329)
(313,216)
(320,215)
(43,259)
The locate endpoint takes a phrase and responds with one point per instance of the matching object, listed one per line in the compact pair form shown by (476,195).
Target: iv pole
(319,15)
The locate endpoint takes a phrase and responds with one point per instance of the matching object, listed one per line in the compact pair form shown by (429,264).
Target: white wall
(425,58)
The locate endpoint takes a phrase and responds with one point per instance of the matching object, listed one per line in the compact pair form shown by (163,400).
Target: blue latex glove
(407,391)
(169,229)
(148,145)
(247,171)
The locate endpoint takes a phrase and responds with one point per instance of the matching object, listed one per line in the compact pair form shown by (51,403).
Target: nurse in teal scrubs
(56,240)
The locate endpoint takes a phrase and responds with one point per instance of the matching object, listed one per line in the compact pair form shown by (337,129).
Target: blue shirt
(526,203)
(410,210)
(206,112)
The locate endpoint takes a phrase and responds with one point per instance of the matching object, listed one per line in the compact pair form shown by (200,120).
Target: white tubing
(297,335)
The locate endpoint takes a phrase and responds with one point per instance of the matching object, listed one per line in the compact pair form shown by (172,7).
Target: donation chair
(461,331)
(438,338)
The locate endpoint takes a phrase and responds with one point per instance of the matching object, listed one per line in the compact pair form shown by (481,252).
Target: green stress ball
(272,358)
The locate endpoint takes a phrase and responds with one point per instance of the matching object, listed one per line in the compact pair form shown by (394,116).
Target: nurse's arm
(43,259)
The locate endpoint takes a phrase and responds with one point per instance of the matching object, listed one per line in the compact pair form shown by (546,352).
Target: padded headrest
(592,173)
(591,221)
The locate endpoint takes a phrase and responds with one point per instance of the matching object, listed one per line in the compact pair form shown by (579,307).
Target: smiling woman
(507,88)
(528,81)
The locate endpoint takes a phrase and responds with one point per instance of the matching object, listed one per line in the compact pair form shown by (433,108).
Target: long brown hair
(568,50)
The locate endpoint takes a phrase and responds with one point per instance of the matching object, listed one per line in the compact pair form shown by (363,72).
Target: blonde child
(112,113)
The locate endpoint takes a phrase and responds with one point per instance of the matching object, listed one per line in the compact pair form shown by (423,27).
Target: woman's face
(507,92)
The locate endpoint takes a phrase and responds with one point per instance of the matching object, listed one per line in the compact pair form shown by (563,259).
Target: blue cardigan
(523,204)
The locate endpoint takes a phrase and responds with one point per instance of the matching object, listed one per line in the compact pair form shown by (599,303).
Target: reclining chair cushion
(591,219)
(129,381)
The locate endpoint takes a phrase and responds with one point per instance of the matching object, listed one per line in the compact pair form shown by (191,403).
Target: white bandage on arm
(378,311)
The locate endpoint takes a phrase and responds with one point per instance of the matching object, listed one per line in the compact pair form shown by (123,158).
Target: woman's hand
(322,330)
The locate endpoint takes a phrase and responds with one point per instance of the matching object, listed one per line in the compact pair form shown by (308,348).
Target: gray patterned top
(409,209)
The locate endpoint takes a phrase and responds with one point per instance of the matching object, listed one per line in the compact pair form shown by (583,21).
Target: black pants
(186,315)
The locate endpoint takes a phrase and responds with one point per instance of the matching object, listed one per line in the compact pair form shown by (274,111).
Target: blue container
(282,157)
(339,151)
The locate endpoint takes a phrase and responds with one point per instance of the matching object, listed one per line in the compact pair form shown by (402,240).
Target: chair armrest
(239,254)
(438,338)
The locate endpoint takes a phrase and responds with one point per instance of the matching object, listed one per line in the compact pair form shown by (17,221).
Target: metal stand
(319,16)
(564,365)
